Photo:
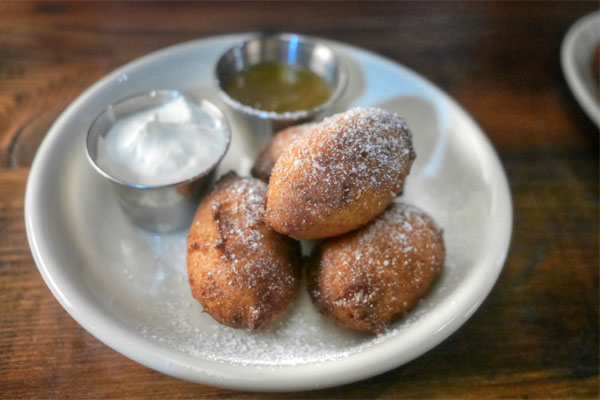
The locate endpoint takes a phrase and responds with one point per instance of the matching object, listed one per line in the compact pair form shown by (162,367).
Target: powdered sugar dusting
(372,147)
(241,271)
(247,215)
(363,150)
(150,293)
(371,276)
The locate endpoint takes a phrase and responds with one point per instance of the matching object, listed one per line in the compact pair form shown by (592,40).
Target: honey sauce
(279,88)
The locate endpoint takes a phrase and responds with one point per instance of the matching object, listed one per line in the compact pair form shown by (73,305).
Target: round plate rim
(257,378)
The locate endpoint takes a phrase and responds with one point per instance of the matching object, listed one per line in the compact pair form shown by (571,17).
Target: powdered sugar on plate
(302,336)
(143,282)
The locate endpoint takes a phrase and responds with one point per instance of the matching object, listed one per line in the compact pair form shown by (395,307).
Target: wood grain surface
(536,335)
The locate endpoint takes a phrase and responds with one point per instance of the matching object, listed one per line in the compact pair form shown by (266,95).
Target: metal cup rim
(291,115)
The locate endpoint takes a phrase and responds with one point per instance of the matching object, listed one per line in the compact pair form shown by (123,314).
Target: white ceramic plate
(576,56)
(129,287)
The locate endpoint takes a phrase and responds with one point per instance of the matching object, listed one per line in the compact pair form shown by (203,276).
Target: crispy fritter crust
(275,148)
(368,278)
(242,272)
(340,175)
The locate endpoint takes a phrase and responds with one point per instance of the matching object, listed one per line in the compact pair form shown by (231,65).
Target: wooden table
(536,335)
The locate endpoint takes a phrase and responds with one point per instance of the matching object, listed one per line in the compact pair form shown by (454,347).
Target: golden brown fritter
(340,175)
(242,272)
(368,278)
(275,148)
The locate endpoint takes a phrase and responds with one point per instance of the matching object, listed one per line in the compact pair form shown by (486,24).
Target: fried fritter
(368,278)
(242,272)
(340,175)
(275,148)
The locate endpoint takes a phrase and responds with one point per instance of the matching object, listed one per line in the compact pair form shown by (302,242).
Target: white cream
(170,143)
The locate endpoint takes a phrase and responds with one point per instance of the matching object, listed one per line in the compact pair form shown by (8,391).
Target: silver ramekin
(286,48)
(161,208)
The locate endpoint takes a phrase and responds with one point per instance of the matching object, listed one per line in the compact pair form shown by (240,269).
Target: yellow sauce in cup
(278,87)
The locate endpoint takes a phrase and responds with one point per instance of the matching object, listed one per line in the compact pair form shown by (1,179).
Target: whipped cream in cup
(158,150)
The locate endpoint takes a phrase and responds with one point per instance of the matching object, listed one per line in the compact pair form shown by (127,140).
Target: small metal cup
(161,208)
(285,48)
